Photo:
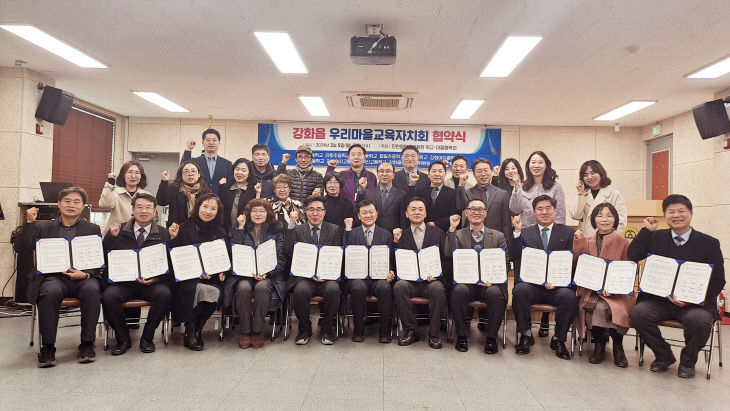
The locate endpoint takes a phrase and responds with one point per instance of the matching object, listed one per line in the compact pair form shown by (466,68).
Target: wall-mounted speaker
(55,105)
(711,119)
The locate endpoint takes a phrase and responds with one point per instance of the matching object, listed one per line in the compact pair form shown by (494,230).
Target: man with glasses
(214,167)
(389,200)
(409,179)
(476,236)
(496,199)
(315,231)
(305,181)
(355,176)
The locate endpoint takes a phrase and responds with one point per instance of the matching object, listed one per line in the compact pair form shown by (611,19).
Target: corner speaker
(711,119)
(55,105)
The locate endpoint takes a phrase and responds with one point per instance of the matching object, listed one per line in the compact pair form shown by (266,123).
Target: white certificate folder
(145,263)
(323,262)
(487,265)
(686,280)
(192,261)
(367,262)
(597,274)
(539,267)
(55,255)
(418,265)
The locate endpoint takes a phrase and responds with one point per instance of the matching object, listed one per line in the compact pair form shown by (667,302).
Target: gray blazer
(498,217)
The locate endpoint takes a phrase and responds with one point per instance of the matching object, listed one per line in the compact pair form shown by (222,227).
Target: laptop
(50,191)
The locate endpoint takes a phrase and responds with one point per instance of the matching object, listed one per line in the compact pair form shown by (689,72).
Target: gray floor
(344,376)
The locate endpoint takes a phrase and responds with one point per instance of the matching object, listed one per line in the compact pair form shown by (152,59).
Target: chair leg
(287,320)
(636,342)
(712,347)
(719,344)
(504,330)
(32,325)
(641,350)
(106,336)
(572,340)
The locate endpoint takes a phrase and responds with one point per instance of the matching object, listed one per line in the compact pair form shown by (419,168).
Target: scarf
(285,207)
(190,191)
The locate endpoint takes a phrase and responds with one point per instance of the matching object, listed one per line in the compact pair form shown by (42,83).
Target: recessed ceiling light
(54,45)
(714,71)
(625,110)
(315,106)
(282,51)
(466,109)
(157,99)
(512,52)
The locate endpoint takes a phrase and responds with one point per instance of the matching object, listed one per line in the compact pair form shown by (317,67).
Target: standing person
(370,234)
(181,193)
(237,193)
(352,177)
(49,290)
(496,199)
(505,178)
(254,227)
(305,181)
(339,207)
(602,312)
(286,209)
(138,232)
(195,300)
(213,166)
(120,190)
(541,180)
(409,179)
(459,167)
(263,171)
(389,200)
(594,188)
(440,200)
(682,242)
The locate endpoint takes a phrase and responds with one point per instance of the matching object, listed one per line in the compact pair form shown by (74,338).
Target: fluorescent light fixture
(315,106)
(158,100)
(53,45)
(714,71)
(512,52)
(282,51)
(625,110)
(466,109)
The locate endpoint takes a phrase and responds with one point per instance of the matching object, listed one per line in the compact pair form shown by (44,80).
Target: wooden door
(660,175)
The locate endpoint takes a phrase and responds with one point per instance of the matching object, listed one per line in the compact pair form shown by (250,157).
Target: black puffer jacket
(303,182)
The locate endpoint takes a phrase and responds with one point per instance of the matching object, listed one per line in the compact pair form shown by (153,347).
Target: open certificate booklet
(485,266)
(540,267)
(53,254)
(686,280)
(145,263)
(418,265)
(597,274)
(192,261)
(260,260)
(367,262)
(323,262)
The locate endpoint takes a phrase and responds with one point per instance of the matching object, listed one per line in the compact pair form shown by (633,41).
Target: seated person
(138,232)
(476,236)
(417,236)
(682,242)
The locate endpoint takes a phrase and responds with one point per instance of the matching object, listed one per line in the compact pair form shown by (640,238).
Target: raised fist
(241,221)
(348,222)
(114,229)
(454,221)
(446,163)
(174,229)
(111,175)
(333,163)
(363,182)
(580,187)
(222,181)
(462,179)
(651,223)
(578,234)
(496,169)
(294,216)
(285,158)
(517,223)
(397,232)
(317,192)
(165,175)
(190,145)
(414,177)
(31,214)
(257,187)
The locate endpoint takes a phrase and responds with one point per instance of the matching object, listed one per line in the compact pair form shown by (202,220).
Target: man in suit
(496,199)
(49,290)
(409,179)
(139,232)
(549,236)
(356,176)
(318,232)
(440,200)
(476,236)
(214,167)
(370,234)
(418,236)
(389,200)
(681,242)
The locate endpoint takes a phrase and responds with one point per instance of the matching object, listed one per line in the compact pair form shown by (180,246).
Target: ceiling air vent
(380,101)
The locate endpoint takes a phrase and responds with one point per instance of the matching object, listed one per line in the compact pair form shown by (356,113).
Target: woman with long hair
(237,193)
(119,191)
(594,188)
(541,180)
(181,193)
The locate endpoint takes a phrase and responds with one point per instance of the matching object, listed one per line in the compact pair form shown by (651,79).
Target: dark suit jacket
(223,169)
(330,234)
(127,240)
(401,180)
(561,238)
(432,236)
(392,216)
(498,217)
(700,248)
(381,236)
(438,211)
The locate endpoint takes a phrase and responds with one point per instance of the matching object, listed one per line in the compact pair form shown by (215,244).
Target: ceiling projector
(376,48)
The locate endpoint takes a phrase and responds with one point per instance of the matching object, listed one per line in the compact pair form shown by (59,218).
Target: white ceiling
(595,56)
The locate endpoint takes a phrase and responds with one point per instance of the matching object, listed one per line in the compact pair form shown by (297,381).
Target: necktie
(418,237)
(434,193)
(315,235)
(678,240)
(483,193)
(544,238)
(140,238)
(369,237)
(384,197)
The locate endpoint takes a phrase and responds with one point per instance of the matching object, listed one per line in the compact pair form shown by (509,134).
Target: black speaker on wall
(55,105)
(711,119)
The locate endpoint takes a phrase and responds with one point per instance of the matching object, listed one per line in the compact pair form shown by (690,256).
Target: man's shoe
(661,365)
(146,346)
(619,358)
(554,343)
(434,342)
(86,353)
(685,372)
(327,339)
(245,341)
(523,346)
(385,338)
(408,338)
(562,352)
(121,348)
(543,331)
(599,351)
(358,336)
(47,356)
(303,337)
(257,340)
(491,347)
(461,344)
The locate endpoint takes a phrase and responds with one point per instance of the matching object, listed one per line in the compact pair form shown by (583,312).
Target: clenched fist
(333,163)
(397,232)
(190,145)
(363,182)
(348,223)
(517,223)
(651,223)
(114,229)
(174,229)
(165,175)
(454,221)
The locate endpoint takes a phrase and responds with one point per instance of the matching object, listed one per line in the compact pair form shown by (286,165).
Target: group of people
(493,206)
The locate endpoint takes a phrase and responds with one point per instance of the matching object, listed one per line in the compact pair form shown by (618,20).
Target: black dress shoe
(685,372)
(461,344)
(661,365)
(554,343)
(385,338)
(146,346)
(599,351)
(121,348)
(408,338)
(434,342)
(523,346)
(47,356)
(543,332)
(358,337)
(491,347)
(619,358)
(562,352)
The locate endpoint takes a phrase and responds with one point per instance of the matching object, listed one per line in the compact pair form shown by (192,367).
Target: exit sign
(656,130)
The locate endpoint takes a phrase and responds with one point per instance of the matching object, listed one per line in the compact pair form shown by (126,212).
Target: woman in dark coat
(338,208)
(237,193)
(180,194)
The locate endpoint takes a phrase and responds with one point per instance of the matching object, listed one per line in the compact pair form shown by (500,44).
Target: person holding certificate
(180,194)
(137,233)
(196,299)
(315,231)
(602,311)
(476,236)
(369,234)
(594,188)
(549,236)
(681,242)
(237,193)
(49,289)
(256,226)
(418,236)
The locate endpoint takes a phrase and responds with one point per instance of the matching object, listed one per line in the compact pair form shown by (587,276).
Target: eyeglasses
(332,183)
(477,209)
(315,210)
(190,172)
(258,211)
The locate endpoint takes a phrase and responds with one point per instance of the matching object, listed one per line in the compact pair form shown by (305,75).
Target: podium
(638,210)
